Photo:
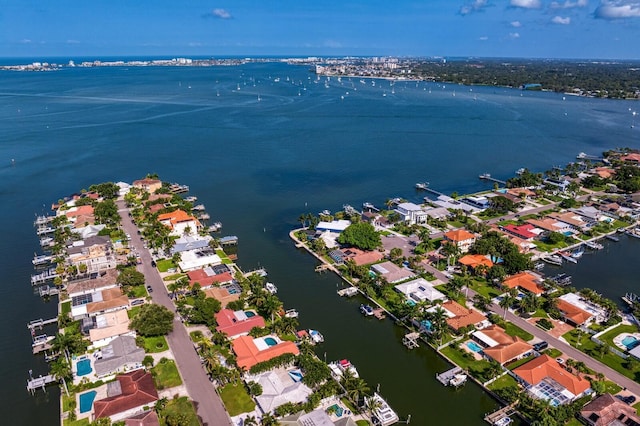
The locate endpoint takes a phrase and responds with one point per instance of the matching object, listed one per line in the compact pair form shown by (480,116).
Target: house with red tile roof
(524,281)
(462,238)
(147,184)
(606,410)
(179,221)
(501,347)
(526,232)
(126,396)
(573,314)
(460,316)
(544,373)
(250,351)
(523,193)
(148,418)
(237,323)
(361,257)
(207,278)
(474,260)
(635,157)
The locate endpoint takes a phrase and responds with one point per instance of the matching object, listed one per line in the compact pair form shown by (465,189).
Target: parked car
(153,263)
(149,289)
(137,302)
(540,346)
(629,399)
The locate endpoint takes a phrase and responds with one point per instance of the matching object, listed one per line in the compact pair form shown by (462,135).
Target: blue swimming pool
(630,342)
(337,409)
(250,314)
(84,367)
(270,341)
(474,347)
(86,401)
(296,375)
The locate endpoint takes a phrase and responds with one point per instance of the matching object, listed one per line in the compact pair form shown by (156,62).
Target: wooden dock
(176,188)
(34,384)
(43,277)
(39,323)
(446,376)
(410,340)
(487,176)
(46,291)
(322,267)
(379,313)
(496,416)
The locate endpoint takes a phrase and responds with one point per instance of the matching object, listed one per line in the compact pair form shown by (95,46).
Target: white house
(412,213)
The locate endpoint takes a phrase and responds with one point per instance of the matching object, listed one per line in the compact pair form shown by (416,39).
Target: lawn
(482,287)
(514,330)
(137,291)
(174,277)
(165,264)
(236,399)
(515,364)
(637,407)
(81,422)
(503,382)
(65,307)
(553,352)
(133,311)
(611,334)
(362,423)
(587,346)
(155,344)
(612,388)
(461,360)
(179,406)
(166,374)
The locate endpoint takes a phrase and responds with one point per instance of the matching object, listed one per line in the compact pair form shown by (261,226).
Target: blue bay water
(259,156)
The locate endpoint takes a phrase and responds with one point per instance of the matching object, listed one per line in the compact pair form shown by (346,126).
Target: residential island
(158,325)
(463,275)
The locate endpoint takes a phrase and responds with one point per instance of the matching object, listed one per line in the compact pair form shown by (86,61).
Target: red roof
(459,235)
(200,276)
(522,231)
(463,315)
(473,260)
(80,211)
(229,324)
(573,313)
(248,354)
(523,280)
(544,366)
(137,390)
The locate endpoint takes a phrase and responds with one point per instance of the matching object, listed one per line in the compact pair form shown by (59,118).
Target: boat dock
(44,230)
(176,188)
(379,313)
(612,238)
(410,340)
(496,417)
(39,323)
(630,298)
(593,245)
(42,220)
(348,292)
(41,343)
(228,240)
(433,191)
(487,176)
(42,259)
(370,207)
(43,277)
(445,377)
(40,382)
(48,291)
(260,271)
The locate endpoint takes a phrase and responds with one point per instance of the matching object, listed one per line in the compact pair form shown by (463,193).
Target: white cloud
(218,14)
(483,38)
(526,4)
(568,4)
(25,41)
(560,20)
(515,24)
(618,9)
(73,42)
(332,44)
(514,36)
(474,6)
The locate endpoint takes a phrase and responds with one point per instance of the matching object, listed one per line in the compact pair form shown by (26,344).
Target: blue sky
(606,29)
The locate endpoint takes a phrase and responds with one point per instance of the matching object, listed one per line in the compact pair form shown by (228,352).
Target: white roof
(336,225)
(485,339)
(409,207)
(190,260)
(279,388)
(420,290)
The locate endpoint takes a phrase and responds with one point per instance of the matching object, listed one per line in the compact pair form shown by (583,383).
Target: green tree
(361,235)
(204,310)
(506,302)
(106,212)
(152,320)
(130,277)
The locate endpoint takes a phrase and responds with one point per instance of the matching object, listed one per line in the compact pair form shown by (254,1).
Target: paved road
(567,349)
(208,404)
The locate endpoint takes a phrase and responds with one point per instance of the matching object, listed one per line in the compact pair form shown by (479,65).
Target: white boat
(325,213)
(316,337)
(291,313)
(366,310)
(520,171)
(503,421)
(383,415)
(577,254)
(593,245)
(271,288)
(567,257)
(348,292)
(552,259)
(339,367)
(458,380)
(422,185)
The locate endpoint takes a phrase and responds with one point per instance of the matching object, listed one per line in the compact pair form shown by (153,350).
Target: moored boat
(422,185)
(291,313)
(552,259)
(271,288)
(458,380)
(315,336)
(567,257)
(383,414)
(366,310)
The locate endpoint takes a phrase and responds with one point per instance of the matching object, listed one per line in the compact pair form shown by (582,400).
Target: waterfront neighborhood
(158,325)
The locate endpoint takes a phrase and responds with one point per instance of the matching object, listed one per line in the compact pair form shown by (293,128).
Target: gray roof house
(120,353)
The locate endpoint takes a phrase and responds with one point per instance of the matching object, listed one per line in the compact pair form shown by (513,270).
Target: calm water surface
(258,157)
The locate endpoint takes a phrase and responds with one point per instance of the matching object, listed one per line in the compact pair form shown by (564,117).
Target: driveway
(207,401)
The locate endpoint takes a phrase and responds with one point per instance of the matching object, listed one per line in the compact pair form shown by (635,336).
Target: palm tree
(529,302)
(356,388)
(303,220)
(268,419)
(481,301)
(250,421)
(506,302)
(61,370)
(372,404)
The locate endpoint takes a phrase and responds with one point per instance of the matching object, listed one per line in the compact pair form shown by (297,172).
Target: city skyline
(589,29)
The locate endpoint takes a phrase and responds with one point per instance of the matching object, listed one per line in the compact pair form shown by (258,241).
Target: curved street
(206,400)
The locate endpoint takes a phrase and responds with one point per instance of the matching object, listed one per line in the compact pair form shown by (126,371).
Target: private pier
(445,377)
(496,416)
(39,323)
(487,176)
(40,382)
(43,277)
(410,340)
